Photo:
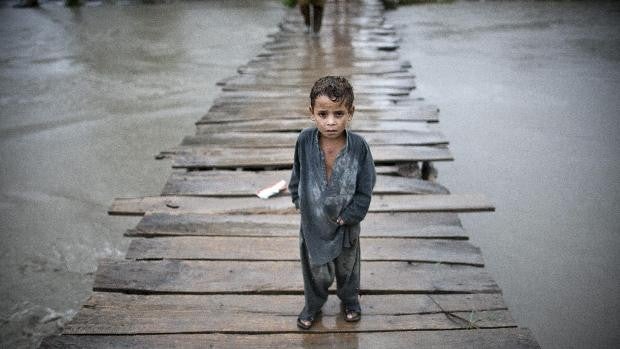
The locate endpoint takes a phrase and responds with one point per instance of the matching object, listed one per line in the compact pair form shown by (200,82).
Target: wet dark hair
(336,88)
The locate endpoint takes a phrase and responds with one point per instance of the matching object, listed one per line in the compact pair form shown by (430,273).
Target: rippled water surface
(529,97)
(87,98)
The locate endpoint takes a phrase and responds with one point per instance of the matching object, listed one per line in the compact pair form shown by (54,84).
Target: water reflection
(330,340)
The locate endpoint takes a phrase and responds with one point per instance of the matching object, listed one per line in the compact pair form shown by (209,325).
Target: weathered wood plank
(363,102)
(357,81)
(368,54)
(282,205)
(288,139)
(505,338)
(287,249)
(331,61)
(204,277)
(226,158)
(279,92)
(247,183)
(117,313)
(386,46)
(297,125)
(400,224)
(247,113)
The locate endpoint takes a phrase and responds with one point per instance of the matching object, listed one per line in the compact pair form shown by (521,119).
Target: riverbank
(88,97)
(528,93)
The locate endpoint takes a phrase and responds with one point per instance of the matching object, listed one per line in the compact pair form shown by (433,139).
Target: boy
(331,185)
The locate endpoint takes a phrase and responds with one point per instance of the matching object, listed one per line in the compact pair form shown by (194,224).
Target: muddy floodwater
(87,98)
(528,93)
(530,100)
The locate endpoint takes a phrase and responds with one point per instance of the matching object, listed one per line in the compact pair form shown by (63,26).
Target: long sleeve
(293,185)
(355,212)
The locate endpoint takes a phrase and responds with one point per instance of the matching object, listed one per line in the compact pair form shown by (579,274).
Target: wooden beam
(247,113)
(288,139)
(297,125)
(247,183)
(223,158)
(283,205)
(400,224)
(287,249)
(208,277)
(506,338)
(117,313)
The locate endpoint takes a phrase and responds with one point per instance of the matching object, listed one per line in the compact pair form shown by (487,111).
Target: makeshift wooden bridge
(212,265)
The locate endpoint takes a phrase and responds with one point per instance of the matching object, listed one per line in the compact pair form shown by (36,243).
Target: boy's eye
(339,113)
(322,114)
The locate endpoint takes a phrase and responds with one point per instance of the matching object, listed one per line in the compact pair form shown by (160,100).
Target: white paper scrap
(271,190)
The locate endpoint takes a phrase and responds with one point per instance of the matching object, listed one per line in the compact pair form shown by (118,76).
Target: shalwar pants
(317,279)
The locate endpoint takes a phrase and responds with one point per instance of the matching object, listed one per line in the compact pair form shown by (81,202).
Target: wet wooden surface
(113,312)
(283,205)
(506,338)
(287,249)
(211,265)
(287,139)
(212,157)
(399,224)
(245,183)
(207,277)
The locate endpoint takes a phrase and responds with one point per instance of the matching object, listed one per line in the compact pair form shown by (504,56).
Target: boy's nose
(331,120)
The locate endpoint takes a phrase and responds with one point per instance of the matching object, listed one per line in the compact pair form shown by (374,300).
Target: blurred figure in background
(317,14)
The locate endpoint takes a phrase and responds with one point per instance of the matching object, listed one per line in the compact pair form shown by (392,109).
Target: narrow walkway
(212,265)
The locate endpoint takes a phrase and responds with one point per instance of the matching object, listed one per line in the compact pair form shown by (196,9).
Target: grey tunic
(347,195)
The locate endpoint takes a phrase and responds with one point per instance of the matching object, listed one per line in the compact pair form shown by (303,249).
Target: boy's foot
(305,322)
(352,312)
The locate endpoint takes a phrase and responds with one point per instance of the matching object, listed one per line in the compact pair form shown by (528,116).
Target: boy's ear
(351,111)
(311,110)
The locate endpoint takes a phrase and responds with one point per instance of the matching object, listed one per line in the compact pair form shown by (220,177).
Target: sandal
(352,313)
(305,324)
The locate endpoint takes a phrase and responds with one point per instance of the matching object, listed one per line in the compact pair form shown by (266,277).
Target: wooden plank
(283,205)
(291,62)
(357,81)
(206,277)
(297,125)
(308,79)
(506,338)
(288,139)
(116,313)
(400,224)
(362,102)
(227,158)
(364,44)
(427,113)
(246,183)
(287,249)
(300,103)
(332,55)
(285,92)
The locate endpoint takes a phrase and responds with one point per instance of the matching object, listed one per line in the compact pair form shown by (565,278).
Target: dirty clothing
(347,195)
(317,279)
(327,249)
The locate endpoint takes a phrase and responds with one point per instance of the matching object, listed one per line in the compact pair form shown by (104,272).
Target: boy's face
(331,118)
